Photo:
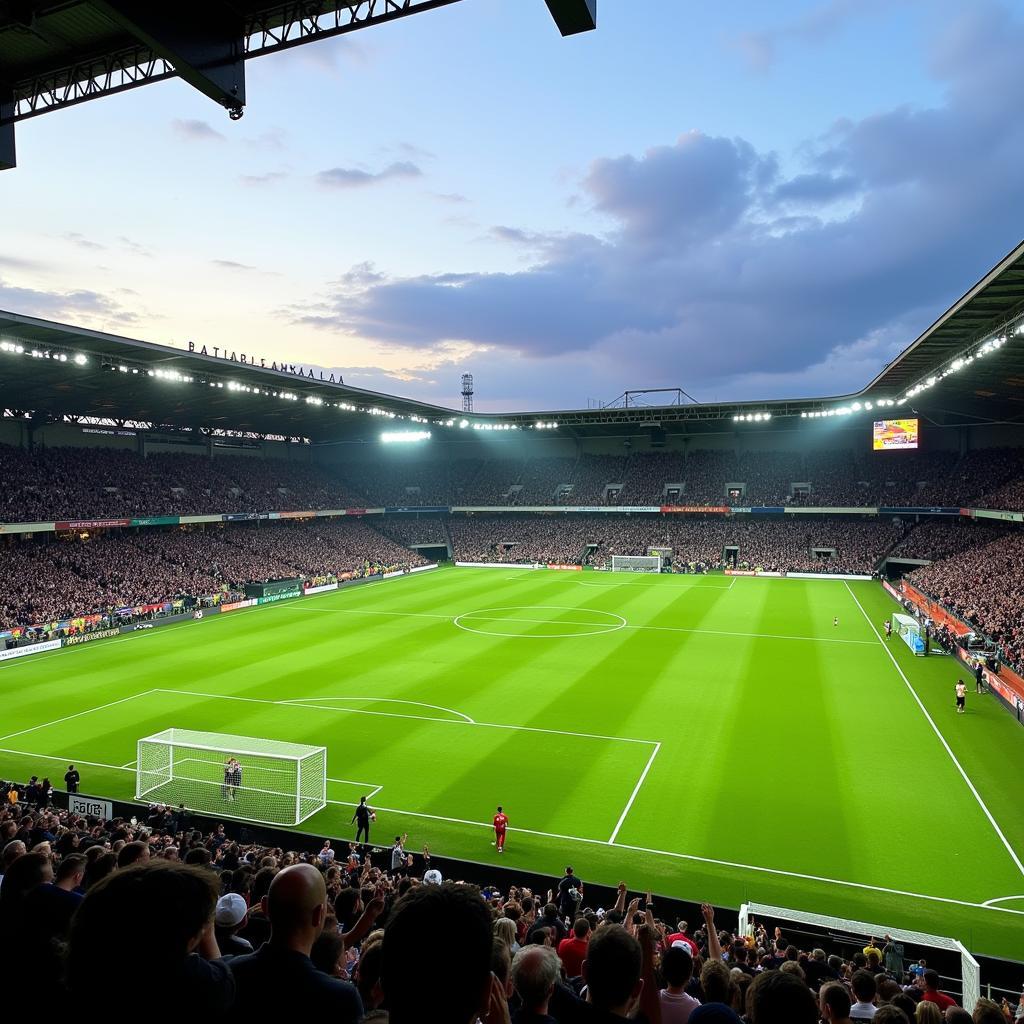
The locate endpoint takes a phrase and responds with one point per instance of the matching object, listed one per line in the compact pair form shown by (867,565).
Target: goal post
(273,783)
(970,972)
(911,632)
(636,563)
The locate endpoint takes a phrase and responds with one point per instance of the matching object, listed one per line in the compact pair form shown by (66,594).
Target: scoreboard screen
(890,435)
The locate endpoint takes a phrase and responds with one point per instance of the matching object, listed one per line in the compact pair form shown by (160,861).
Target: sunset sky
(744,200)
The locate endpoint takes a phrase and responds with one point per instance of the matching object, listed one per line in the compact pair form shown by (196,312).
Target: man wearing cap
(679,935)
(228,919)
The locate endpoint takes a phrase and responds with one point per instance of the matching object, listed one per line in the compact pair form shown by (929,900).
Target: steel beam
(7,153)
(204,41)
(572,16)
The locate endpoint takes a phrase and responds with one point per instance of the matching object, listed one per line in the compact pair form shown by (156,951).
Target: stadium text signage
(87,638)
(90,806)
(250,360)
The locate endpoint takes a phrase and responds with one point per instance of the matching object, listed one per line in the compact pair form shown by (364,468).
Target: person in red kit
(500,825)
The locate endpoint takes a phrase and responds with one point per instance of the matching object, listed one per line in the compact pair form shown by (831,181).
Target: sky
(744,200)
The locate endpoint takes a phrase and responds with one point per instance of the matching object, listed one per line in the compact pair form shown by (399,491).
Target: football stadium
(761,656)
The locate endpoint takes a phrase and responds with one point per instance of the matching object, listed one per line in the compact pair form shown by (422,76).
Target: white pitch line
(669,629)
(696,859)
(129,763)
(64,760)
(691,857)
(632,796)
(374,792)
(414,718)
(382,700)
(77,714)
(352,782)
(942,739)
(1001,899)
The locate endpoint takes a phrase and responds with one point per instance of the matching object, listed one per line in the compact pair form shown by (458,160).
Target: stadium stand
(61,483)
(62,579)
(334,931)
(985,587)
(855,547)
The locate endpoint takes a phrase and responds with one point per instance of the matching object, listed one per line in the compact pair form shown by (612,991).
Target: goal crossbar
(227,743)
(970,971)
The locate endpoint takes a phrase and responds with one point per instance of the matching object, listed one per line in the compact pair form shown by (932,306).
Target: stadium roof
(55,53)
(992,308)
(54,370)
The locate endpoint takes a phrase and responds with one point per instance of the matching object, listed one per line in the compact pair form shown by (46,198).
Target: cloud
(80,240)
(710,269)
(18,263)
(257,180)
(196,131)
(135,248)
(450,197)
(232,265)
(812,27)
(80,306)
(354,177)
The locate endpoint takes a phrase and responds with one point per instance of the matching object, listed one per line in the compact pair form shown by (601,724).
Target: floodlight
(404,436)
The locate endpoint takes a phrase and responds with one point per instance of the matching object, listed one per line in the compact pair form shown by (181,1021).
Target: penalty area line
(632,796)
(942,739)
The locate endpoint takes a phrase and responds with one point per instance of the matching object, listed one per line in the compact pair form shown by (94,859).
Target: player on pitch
(500,825)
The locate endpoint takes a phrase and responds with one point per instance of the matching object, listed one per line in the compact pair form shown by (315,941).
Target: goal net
(267,781)
(860,932)
(636,563)
(911,632)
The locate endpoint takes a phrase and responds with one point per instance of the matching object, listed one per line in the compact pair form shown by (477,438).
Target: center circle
(528,622)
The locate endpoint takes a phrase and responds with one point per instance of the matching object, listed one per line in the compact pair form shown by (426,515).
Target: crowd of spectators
(56,484)
(78,483)
(936,539)
(806,544)
(984,586)
(54,579)
(157,912)
(410,530)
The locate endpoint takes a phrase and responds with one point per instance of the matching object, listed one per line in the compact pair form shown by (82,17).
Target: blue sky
(744,200)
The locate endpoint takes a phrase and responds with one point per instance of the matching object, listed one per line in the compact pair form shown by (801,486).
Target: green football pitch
(711,738)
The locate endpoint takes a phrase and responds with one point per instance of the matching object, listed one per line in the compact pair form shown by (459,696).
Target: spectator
(147,931)
(280,975)
(454,983)
(573,950)
(834,1003)
(677,968)
(927,1012)
(890,1014)
(865,989)
(932,993)
(229,918)
(534,975)
(776,997)
(612,972)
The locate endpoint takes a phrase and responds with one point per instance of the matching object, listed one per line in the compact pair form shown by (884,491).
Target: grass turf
(710,738)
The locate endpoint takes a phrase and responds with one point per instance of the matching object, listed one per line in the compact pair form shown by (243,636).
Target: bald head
(296,905)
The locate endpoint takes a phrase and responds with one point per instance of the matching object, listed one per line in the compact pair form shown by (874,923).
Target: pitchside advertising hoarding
(90,805)
(24,652)
(895,435)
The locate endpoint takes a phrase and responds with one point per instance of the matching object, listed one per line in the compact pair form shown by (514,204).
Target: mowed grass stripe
(790,755)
